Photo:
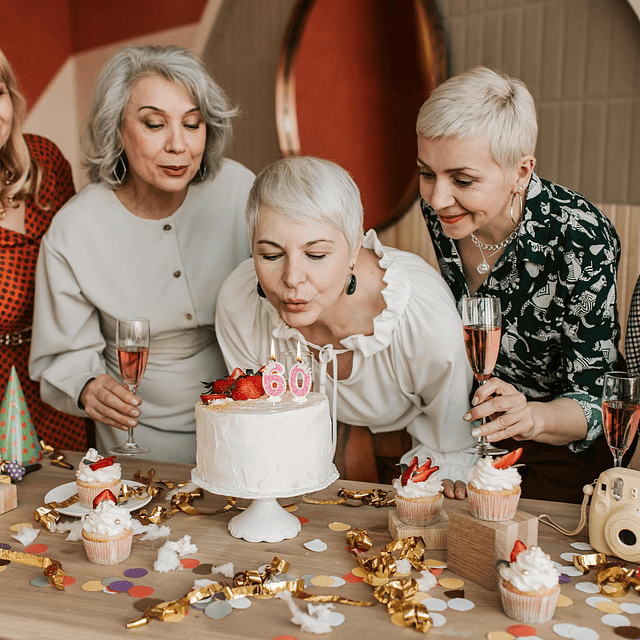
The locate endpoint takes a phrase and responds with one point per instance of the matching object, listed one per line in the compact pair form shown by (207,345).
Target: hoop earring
(260,291)
(351,285)
(120,178)
(202,171)
(513,197)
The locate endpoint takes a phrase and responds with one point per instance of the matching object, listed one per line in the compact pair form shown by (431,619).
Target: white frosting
(486,477)
(107,519)
(430,487)
(105,474)
(253,447)
(532,570)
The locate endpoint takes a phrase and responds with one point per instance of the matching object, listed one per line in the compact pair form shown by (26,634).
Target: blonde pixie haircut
(308,190)
(483,104)
(15,159)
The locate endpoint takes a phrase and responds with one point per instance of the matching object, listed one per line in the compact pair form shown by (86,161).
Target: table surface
(32,612)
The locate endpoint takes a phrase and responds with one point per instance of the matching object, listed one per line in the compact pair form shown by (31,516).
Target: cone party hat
(18,439)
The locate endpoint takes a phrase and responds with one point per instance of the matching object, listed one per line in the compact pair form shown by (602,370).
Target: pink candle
(273,381)
(300,379)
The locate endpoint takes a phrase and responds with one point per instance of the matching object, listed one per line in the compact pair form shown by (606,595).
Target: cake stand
(264,520)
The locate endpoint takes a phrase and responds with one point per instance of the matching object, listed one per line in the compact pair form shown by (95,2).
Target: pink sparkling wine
(483,345)
(132,362)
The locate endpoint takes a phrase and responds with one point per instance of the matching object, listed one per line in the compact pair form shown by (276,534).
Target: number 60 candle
(273,381)
(300,379)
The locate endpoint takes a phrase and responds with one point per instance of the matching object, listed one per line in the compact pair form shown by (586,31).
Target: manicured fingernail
(132,423)
(475,433)
(135,402)
(135,413)
(466,417)
(474,401)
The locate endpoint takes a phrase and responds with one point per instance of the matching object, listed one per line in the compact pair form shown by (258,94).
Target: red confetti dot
(286,638)
(349,577)
(189,563)
(303,520)
(36,548)
(67,581)
(140,591)
(436,571)
(107,590)
(521,630)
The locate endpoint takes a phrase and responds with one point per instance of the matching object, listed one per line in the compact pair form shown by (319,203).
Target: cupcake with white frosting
(94,475)
(418,494)
(529,585)
(107,533)
(493,487)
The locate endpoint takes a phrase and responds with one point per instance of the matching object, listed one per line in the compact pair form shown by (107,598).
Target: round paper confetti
(398,619)
(593,600)
(565,629)
(92,585)
(338,582)
(136,573)
(4,545)
(615,620)
(584,633)
(434,604)
(564,601)
(499,635)
(240,603)
(3,567)
(339,526)
(563,578)
(315,545)
(41,581)
(418,596)
(438,619)
(587,587)
(110,591)
(376,581)
(303,520)
(582,546)
(322,581)
(630,607)
(36,548)
(140,591)
(451,583)
(15,527)
(202,604)
(359,572)
(608,607)
(285,638)
(456,593)
(4,563)
(568,557)
(307,580)
(520,630)
(107,581)
(571,571)
(189,563)
(460,604)
(431,563)
(218,609)
(633,633)
(120,585)
(203,569)
(67,581)
(350,577)
(144,603)
(335,618)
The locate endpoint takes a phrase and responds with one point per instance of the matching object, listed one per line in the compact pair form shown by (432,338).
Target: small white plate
(65,491)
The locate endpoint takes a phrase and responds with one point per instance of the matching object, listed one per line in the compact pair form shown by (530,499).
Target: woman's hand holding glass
(108,401)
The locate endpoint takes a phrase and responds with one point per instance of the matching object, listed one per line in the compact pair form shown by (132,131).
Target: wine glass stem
(130,439)
(132,388)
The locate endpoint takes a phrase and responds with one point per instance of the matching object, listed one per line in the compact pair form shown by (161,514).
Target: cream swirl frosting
(430,487)
(486,477)
(532,570)
(107,519)
(104,474)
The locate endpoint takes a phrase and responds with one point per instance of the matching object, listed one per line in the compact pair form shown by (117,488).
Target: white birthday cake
(255,448)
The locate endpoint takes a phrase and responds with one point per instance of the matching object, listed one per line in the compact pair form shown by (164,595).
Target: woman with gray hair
(380,322)
(550,257)
(154,235)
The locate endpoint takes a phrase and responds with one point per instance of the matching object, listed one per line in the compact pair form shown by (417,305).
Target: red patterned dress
(18,256)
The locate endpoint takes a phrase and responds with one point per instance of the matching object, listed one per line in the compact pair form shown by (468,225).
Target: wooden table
(32,612)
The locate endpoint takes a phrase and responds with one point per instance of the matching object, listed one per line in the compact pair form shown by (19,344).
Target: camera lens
(627,537)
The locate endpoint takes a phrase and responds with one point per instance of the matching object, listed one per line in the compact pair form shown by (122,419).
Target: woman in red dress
(35,181)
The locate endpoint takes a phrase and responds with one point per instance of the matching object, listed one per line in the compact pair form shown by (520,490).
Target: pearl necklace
(484,267)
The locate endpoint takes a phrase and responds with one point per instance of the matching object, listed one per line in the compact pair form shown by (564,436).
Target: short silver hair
(308,190)
(482,103)
(103,141)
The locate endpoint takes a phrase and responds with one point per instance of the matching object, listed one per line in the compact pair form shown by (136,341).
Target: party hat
(18,439)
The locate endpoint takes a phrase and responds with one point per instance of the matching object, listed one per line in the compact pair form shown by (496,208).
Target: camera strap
(583,516)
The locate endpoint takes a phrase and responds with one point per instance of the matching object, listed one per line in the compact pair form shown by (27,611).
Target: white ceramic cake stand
(264,520)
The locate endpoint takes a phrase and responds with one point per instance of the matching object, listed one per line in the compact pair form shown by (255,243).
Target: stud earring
(260,291)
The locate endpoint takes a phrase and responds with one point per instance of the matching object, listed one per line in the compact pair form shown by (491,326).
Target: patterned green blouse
(557,287)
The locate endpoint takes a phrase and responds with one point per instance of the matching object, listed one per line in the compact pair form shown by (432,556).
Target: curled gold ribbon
(614,579)
(359,539)
(586,561)
(52,568)
(372,497)
(57,457)
(48,516)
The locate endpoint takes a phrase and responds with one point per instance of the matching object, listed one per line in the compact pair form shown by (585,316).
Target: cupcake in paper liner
(107,533)
(418,494)
(529,585)
(493,488)
(94,475)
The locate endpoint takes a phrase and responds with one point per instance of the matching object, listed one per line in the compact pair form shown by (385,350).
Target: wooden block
(434,536)
(8,497)
(474,546)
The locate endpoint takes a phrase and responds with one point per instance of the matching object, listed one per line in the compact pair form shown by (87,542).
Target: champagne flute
(132,345)
(620,411)
(481,327)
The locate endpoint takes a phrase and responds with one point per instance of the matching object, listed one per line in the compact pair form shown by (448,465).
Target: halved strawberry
(424,472)
(256,380)
(208,398)
(103,462)
(517,548)
(406,474)
(508,459)
(105,494)
(245,389)
(236,373)
(222,385)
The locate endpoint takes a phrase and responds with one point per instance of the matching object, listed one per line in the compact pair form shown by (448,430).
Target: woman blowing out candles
(550,257)
(380,322)
(154,235)
(35,181)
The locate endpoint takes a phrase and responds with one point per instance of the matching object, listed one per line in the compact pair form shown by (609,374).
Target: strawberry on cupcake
(418,494)
(95,474)
(493,487)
